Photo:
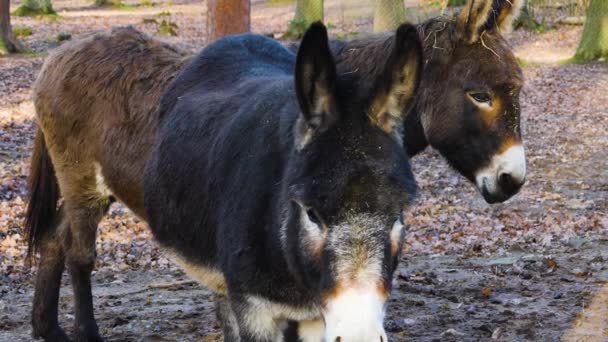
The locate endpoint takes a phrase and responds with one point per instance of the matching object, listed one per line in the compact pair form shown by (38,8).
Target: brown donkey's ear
(395,89)
(315,78)
(504,14)
(480,15)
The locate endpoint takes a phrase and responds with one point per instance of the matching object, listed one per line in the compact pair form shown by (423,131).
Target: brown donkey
(96,101)
(468,104)
(97,104)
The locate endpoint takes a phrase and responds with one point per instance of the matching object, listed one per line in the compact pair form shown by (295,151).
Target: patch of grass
(115,4)
(35,54)
(280,2)
(147,3)
(167,28)
(24,11)
(22,31)
(23,53)
(296,29)
(3,49)
(164,14)
(63,36)
(123,7)
(526,64)
(453,3)
(150,21)
(346,35)
(528,21)
(50,17)
(577,60)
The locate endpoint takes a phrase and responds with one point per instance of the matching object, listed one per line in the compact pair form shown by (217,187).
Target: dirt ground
(532,269)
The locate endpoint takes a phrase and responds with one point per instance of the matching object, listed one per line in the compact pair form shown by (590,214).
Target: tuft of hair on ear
(396,88)
(473,19)
(504,13)
(315,78)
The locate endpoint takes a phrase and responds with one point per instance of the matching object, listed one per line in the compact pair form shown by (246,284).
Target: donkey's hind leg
(48,282)
(85,213)
(85,204)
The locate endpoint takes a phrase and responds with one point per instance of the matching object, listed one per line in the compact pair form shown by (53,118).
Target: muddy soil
(519,296)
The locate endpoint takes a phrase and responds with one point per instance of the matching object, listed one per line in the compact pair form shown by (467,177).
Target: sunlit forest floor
(533,268)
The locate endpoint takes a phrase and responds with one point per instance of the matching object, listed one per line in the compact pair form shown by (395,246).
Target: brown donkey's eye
(481,97)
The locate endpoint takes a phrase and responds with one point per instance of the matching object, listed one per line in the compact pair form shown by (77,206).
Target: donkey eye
(313,217)
(481,97)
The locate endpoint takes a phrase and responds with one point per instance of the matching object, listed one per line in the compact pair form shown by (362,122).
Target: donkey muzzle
(355,315)
(505,175)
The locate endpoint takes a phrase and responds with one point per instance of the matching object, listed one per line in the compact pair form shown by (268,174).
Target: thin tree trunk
(8,43)
(309,11)
(594,42)
(226,17)
(388,15)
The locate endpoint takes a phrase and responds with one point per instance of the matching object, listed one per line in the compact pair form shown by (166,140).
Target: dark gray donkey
(284,194)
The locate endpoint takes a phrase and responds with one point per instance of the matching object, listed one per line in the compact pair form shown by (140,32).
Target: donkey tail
(44,195)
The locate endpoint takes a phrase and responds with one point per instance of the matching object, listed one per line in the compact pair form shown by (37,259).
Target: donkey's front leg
(228,322)
(255,320)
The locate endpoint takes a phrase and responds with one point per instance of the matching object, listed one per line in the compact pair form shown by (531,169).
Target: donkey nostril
(507,184)
(338,339)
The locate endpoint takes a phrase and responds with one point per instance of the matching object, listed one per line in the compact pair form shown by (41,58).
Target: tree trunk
(388,15)
(35,7)
(8,43)
(226,17)
(309,11)
(594,42)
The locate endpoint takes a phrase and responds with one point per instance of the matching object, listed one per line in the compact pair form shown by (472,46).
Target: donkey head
(347,182)
(469,107)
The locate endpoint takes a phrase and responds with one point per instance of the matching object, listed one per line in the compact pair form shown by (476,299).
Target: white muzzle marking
(511,162)
(356,315)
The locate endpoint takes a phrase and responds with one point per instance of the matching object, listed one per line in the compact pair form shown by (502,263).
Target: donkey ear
(473,19)
(395,89)
(479,15)
(504,14)
(315,78)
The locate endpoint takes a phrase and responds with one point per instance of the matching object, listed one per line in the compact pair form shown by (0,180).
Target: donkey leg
(255,320)
(227,319)
(48,282)
(79,247)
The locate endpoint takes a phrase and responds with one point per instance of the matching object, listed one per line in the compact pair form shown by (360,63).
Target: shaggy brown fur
(96,100)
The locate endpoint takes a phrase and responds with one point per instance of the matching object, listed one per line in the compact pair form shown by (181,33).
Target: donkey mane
(354,56)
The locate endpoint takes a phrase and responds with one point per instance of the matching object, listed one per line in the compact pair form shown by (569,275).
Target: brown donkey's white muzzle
(504,176)
(355,315)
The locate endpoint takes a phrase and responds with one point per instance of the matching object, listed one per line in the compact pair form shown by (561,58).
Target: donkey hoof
(54,335)
(88,338)
(88,335)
